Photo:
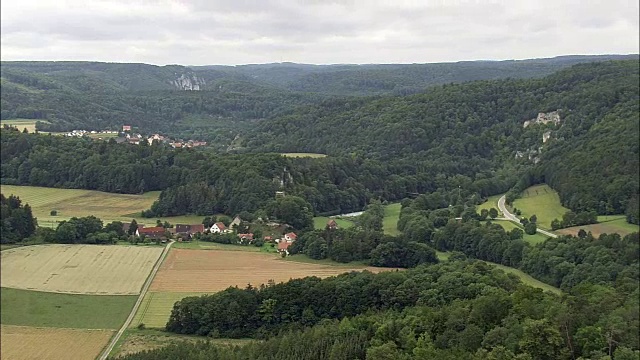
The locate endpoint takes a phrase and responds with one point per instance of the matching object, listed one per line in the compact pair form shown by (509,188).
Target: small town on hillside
(128,136)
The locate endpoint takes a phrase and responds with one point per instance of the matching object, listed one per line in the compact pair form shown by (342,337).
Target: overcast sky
(204,32)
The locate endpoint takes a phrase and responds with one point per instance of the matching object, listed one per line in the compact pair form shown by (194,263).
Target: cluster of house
(136,139)
(81,133)
(188,231)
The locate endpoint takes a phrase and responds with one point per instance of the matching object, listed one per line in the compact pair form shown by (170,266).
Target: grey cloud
(235,31)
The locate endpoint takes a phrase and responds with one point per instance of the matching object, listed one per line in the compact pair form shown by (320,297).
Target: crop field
(300,155)
(210,271)
(320,222)
(492,202)
(19,342)
(156,308)
(21,124)
(542,201)
(36,308)
(608,225)
(531,239)
(391,217)
(78,269)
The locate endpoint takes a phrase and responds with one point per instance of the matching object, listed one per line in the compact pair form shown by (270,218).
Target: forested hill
(174,99)
(597,135)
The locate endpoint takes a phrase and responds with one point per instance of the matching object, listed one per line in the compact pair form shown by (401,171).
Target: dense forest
(464,137)
(17,221)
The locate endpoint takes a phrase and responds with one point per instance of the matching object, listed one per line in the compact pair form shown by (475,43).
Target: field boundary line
(143,292)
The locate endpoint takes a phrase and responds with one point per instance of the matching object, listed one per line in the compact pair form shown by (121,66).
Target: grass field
(527,279)
(492,202)
(21,124)
(524,277)
(78,269)
(106,206)
(135,340)
(391,217)
(608,224)
(531,239)
(210,271)
(300,155)
(542,201)
(203,245)
(28,343)
(320,222)
(35,308)
(155,309)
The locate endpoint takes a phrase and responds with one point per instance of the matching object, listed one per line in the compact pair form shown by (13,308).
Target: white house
(218,228)
(236,221)
(290,237)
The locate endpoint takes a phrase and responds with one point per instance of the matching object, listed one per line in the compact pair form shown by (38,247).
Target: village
(128,136)
(221,233)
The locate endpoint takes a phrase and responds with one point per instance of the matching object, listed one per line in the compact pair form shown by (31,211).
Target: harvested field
(78,269)
(209,271)
(22,342)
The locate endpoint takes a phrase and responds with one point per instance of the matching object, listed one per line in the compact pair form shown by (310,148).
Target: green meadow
(542,201)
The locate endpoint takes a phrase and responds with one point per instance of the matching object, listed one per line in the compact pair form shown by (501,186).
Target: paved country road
(511,217)
(124,327)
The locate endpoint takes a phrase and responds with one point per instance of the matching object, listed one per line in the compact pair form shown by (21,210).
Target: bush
(53,213)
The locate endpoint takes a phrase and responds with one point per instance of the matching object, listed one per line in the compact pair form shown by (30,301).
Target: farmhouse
(332,224)
(156,232)
(246,237)
(283,247)
(290,237)
(219,228)
(236,221)
(189,230)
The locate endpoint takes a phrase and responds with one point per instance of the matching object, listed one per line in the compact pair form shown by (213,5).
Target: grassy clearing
(22,342)
(524,277)
(320,222)
(527,279)
(35,308)
(75,202)
(135,340)
(492,202)
(542,201)
(203,245)
(531,239)
(302,155)
(21,124)
(391,217)
(608,224)
(155,309)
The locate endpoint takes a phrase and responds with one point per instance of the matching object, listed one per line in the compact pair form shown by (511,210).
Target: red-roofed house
(283,247)
(246,237)
(268,239)
(332,224)
(290,237)
(152,232)
(218,228)
(197,228)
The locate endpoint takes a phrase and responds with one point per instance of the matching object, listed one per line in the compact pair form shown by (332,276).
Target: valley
(378,211)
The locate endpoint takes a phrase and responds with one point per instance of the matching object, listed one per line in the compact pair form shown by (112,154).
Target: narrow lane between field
(143,292)
(511,217)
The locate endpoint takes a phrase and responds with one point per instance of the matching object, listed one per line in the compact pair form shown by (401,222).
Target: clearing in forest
(391,217)
(21,342)
(78,269)
(21,124)
(607,225)
(542,201)
(210,271)
(300,155)
(320,222)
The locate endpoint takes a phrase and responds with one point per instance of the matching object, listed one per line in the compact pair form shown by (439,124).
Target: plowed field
(210,271)
(78,269)
(28,343)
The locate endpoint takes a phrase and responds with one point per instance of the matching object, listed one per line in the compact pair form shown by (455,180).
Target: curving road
(124,327)
(511,217)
